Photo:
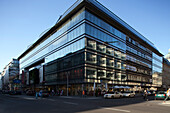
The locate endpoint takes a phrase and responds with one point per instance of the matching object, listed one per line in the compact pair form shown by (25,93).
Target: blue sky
(22,21)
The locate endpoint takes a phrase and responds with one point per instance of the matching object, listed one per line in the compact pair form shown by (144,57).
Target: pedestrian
(52,93)
(40,94)
(145,95)
(61,93)
(167,95)
(83,93)
(36,95)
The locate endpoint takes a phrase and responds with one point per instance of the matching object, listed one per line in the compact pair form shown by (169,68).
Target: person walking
(36,95)
(52,92)
(83,94)
(40,94)
(145,95)
(167,95)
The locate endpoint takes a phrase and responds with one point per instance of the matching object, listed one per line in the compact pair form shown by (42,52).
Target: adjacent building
(90,48)
(168,56)
(0,81)
(10,74)
(166,71)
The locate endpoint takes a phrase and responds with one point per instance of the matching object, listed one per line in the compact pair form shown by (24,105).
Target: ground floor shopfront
(93,88)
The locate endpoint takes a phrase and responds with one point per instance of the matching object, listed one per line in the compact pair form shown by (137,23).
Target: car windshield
(161,92)
(111,92)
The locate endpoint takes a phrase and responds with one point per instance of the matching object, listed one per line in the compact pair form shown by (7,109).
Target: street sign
(16,81)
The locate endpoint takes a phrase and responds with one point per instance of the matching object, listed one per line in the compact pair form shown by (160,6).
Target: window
(101,61)
(110,62)
(90,73)
(110,75)
(91,58)
(91,44)
(110,51)
(101,48)
(101,74)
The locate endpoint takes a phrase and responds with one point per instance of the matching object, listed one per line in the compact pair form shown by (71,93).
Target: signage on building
(16,81)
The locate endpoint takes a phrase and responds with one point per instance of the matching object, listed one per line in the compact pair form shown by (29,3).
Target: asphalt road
(28,104)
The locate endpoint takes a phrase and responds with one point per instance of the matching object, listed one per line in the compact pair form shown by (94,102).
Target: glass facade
(157,70)
(110,57)
(101,35)
(95,20)
(87,50)
(66,33)
(156,64)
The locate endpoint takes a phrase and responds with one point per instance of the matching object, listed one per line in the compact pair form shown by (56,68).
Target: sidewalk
(80,97)
(71,97)
(21,96)
(166,102)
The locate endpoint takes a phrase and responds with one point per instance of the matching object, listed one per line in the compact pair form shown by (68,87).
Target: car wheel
(112,97)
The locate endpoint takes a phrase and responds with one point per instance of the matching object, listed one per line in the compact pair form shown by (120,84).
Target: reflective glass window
(91,73)
(104,25)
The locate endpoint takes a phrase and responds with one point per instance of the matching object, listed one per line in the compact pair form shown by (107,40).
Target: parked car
(30,93)
(43,93)
(128,93)
(113,95)
(160,95)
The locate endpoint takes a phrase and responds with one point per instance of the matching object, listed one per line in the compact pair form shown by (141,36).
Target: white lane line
(28,98)
(71,103)
(117,109)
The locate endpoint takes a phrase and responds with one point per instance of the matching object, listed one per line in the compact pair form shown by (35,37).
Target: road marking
(117,109)
(28,98)
(71,103)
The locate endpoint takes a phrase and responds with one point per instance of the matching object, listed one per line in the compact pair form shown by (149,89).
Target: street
(28,104)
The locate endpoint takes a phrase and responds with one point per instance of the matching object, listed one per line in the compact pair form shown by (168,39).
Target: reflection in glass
(101,74)
(91,73)
(91,58)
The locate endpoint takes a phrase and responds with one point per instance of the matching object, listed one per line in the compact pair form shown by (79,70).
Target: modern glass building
(90,48)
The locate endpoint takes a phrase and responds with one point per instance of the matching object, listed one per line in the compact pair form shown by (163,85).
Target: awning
(116,87)
(121,87)
(127,87)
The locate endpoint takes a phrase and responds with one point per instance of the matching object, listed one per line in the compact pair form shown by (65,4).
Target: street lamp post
(94,86)
(67,73)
